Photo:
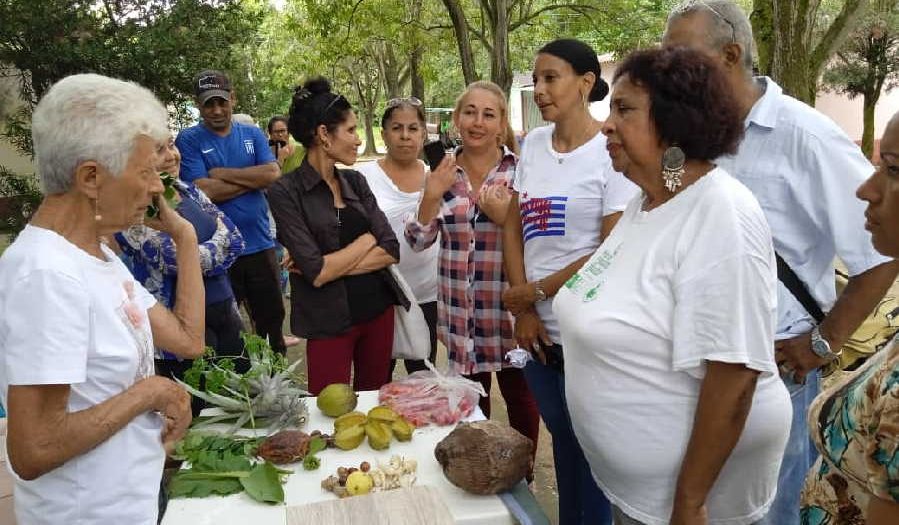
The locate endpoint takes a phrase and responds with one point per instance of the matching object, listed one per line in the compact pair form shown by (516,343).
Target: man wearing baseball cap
(232,164)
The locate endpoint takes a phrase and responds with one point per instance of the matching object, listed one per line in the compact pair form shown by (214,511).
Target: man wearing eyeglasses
(804,171)
(232,164)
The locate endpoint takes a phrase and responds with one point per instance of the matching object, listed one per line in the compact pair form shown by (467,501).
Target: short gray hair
(91,117)
(727,23)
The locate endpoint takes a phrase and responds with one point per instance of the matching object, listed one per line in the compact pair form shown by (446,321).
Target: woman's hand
(531,335)
(442,179)
(687,514)
(288,264)
(519,298)
(172,402)
(494,201)
(168,220)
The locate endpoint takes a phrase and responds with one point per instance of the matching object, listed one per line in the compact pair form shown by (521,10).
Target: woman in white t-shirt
(669,327)
(89,420)
(568,198)
(397,181)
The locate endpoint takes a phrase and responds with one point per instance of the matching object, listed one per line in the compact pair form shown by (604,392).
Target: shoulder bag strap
(796,287)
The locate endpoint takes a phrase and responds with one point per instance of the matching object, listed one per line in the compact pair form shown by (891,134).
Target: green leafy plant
(267,395)
(220,464)
(311,461)
(20,195)
(170,194)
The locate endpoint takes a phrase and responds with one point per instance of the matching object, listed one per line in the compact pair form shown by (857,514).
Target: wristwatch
(821,347)
(539,292)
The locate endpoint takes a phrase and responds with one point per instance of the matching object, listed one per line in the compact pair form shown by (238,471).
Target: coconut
(485,457)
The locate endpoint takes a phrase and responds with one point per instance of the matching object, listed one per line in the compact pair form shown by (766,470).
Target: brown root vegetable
(485,457)
(287,446)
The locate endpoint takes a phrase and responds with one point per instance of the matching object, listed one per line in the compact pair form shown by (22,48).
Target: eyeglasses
(733,30)
(394,102)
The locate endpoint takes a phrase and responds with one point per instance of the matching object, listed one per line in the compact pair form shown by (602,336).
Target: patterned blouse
(472,323)
(152,256)
(855,425)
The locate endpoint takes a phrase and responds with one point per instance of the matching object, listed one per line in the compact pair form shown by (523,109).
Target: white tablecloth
(304,486)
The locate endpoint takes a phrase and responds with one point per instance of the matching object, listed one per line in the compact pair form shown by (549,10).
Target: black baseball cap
(212,83)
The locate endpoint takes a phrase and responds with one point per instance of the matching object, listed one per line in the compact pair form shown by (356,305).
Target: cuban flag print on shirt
(542,216)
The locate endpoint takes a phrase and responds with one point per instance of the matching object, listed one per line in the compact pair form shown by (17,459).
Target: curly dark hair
(692,104)
(315,104)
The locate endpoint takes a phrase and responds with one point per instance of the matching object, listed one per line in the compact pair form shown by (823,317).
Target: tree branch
(836,33)
(578,8)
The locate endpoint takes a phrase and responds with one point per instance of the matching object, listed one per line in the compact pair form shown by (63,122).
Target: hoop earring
(673,161)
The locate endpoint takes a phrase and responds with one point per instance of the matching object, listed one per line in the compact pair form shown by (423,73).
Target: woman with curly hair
(668,328)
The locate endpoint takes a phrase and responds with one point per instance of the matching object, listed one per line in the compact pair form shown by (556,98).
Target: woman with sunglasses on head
(464,202)
(340,244)
(566,198)
(397,181)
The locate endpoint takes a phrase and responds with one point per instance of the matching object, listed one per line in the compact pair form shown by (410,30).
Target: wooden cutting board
(412,506)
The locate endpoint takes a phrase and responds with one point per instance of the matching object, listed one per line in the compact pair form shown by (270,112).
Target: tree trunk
(784,30)
(463,40)
(368,116)
(417,79)
(500,66)
(869,103)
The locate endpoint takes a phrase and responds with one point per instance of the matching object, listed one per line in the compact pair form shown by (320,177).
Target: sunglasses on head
(394,102)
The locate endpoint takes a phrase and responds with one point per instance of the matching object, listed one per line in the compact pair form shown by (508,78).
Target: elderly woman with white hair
(89,421)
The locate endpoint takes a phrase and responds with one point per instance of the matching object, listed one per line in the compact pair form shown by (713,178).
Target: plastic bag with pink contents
(430,396)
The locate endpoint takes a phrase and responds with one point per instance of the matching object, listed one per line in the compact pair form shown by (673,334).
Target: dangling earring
(673,167)
(326,145)
(97,216)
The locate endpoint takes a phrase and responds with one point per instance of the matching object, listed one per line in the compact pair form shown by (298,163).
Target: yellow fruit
(402,429)
(350,419)
(336,399)
(359,483)
(350,437)
(382,413)
(378,433)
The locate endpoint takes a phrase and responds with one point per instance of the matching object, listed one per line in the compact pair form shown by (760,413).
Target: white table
(303,487)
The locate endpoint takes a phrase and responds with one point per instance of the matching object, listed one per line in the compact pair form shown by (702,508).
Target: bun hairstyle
(313,105)
(582,59)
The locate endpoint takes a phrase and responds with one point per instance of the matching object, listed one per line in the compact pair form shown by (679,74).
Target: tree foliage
(160,44)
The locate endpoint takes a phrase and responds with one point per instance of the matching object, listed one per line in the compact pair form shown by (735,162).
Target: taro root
(485,457)
(287,446)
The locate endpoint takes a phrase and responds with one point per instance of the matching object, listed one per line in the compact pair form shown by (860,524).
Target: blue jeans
(799,457)
(580,500)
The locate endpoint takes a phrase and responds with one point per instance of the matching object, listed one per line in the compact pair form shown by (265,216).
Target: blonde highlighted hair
(507,137)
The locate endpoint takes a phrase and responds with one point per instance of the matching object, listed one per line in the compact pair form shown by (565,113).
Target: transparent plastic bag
(430,396)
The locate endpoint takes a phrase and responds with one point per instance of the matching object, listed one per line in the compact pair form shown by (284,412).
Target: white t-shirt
(690,281)
(66,318)
(563,198)
(418,268)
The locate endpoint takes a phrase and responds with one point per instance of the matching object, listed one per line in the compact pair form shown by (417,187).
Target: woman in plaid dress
(465,201)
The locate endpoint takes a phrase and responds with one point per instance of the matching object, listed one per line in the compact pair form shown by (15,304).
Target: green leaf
(316,445)
(185,486)
(264,484)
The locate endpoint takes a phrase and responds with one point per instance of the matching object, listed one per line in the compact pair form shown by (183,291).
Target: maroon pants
(365,348)
(520,404)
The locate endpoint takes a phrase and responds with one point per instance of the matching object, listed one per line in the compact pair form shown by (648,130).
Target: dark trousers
(581,502)
(414,365)
(255,280)
(520,404)
(365,348)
